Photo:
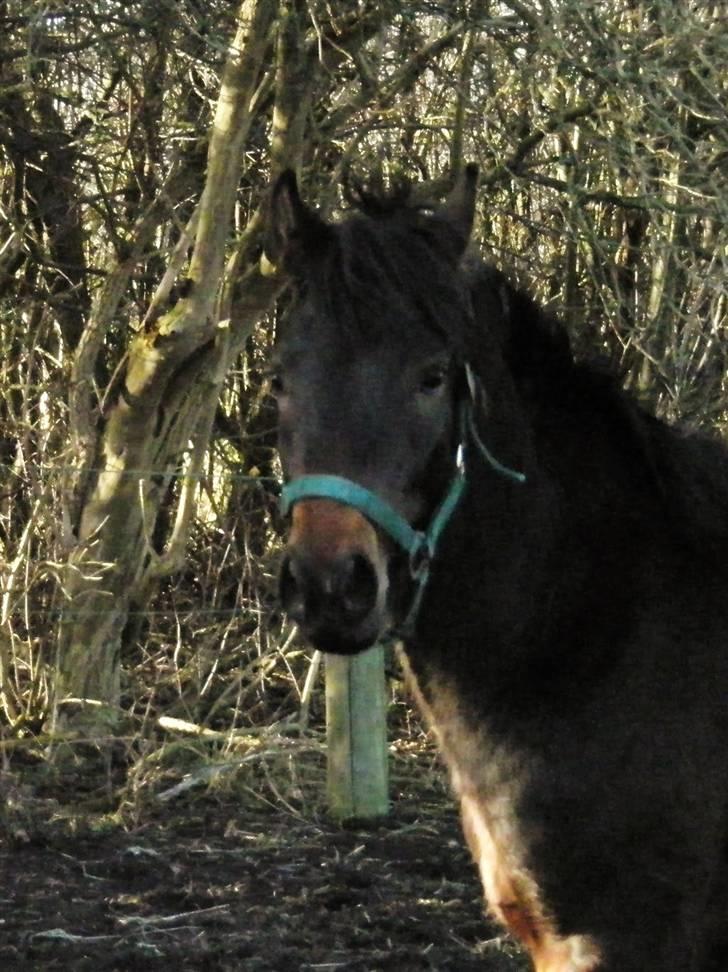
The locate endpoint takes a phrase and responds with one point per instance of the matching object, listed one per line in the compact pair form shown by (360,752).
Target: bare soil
(218,883)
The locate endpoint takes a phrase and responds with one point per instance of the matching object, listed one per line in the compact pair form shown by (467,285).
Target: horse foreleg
(513,896)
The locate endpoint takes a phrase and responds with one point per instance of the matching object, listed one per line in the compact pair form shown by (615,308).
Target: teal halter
(419,545)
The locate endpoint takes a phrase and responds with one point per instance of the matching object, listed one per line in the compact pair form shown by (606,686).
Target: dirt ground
(218,884)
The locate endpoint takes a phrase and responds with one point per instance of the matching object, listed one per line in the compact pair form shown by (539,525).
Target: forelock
(389,270)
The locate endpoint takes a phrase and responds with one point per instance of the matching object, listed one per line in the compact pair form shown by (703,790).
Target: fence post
(356,732)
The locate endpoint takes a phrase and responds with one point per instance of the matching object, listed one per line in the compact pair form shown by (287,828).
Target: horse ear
(294,233)
(459,207)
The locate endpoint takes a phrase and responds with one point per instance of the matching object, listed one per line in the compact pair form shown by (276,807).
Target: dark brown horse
(554,559)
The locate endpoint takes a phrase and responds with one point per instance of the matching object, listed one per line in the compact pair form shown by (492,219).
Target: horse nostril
(357,587)
(291,591)
(341,591)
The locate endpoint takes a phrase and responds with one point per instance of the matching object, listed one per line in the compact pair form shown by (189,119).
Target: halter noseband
(419,545)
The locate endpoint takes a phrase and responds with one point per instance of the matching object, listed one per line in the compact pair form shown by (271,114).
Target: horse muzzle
(333,580)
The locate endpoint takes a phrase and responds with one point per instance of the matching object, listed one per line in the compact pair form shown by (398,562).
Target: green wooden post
(356,732)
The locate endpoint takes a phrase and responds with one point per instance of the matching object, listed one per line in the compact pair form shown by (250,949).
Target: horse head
(368,374)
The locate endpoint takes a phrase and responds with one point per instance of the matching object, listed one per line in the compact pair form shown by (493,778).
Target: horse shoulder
(488,781)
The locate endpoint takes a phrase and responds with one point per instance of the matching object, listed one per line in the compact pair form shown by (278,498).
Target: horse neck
(513,591)
(504,577)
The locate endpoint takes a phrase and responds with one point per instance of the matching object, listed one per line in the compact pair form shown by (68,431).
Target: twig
(138,921)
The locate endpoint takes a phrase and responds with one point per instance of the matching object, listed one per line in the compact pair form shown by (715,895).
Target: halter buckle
(420,558)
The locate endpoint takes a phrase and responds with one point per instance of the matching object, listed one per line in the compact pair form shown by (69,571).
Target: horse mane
(372,198)
(380,253)
(685,470)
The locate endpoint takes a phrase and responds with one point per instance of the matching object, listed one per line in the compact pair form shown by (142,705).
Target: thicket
(138,527)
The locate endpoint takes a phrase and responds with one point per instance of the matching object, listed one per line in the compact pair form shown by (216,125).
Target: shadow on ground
(224,887)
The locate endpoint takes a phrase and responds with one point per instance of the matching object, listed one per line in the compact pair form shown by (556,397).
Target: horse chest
(488,782)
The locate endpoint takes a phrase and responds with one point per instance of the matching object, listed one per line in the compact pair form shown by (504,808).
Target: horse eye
(276,384)
(433,380)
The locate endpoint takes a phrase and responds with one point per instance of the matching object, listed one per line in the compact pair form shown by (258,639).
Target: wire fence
(210,629)
(271,483)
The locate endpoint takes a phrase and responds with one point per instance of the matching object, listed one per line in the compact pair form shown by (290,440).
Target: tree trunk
(157,426)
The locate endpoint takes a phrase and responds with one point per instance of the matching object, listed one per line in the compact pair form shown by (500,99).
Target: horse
(552,557)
